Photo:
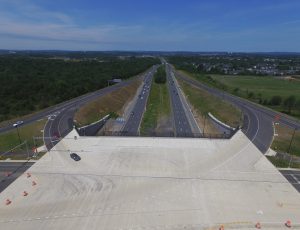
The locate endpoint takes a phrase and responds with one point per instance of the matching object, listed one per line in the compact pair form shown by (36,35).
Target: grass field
(259,89)
(10,139)
(113,102)
(158,107)
(204,103)
(264,86)
(283,163)
(283,139)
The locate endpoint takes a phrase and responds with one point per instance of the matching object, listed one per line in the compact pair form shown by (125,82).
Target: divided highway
(181,120)
(60,117)
(62,122)
(258,121)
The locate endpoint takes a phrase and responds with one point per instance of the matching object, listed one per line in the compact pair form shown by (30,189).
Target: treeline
(30,84)
(160,75)
(288,104)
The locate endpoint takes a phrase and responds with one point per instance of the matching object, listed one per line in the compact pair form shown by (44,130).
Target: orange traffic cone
(221,227)
(288,223)
(25,193)
(28,175)
(7,202)
(33,183)
(258,225)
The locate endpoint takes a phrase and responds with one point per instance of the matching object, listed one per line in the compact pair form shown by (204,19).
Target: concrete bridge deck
(151,183)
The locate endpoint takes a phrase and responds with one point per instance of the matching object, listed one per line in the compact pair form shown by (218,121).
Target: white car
(18,123)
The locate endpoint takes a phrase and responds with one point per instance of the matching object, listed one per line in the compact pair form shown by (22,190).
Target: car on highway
(18,123)
(75,157)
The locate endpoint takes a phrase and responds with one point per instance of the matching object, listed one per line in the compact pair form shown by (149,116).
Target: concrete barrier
(222,127)
(92,129)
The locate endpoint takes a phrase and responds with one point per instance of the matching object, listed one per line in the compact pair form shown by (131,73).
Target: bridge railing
(171,134)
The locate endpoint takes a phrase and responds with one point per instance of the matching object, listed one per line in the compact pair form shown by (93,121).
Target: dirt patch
(164,126)
(204,122)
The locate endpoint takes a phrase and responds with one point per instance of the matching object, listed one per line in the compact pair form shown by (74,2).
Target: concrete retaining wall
(92,129)
(222,127)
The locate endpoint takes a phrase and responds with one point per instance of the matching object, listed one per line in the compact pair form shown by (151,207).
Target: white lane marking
(249,122)
(295,178)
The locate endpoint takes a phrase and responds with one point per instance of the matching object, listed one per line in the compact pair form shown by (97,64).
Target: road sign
(277,117)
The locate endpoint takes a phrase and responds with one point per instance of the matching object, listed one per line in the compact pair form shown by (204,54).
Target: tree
(297,106)
(250,95)
(289,103)
(276,100)
(160,75)
(236,90)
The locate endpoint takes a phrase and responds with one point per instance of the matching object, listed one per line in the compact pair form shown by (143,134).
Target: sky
(151,25)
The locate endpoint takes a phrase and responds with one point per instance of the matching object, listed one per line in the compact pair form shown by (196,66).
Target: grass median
(158,112)
(203,102)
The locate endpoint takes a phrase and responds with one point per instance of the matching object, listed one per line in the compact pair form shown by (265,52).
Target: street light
(17,126)
(290,147)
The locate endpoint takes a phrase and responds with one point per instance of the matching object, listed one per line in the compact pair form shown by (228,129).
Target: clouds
(31,22)
(156,25)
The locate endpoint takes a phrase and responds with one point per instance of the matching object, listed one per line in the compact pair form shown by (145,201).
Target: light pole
(17,126)
(204,123)
(290,147)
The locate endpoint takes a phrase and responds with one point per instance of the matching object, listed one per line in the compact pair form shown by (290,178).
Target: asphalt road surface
(60,121)
(258,125)
(9,171)
(132,125)
(258,120)
(181,122)
(293,177)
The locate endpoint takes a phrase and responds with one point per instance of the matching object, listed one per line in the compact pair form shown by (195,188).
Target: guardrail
(172,134)
(92,129)
(224,128)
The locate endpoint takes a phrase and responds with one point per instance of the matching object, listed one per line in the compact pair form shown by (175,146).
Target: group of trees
(290,103)
(160,75)
(29,84)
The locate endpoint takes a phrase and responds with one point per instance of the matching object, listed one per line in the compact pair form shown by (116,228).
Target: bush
(276,100)
(289,103)
(160,75)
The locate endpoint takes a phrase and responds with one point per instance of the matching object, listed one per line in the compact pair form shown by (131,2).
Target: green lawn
(259,89)
(205,103)
(283,139)
(10,139)
(158,105)
(264,86)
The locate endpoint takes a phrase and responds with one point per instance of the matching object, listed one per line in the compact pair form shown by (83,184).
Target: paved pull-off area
(150,183)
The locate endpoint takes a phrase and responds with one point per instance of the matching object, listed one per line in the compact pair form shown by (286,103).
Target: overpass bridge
(151,183)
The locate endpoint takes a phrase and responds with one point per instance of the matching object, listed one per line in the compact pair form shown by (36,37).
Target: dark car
(75,157)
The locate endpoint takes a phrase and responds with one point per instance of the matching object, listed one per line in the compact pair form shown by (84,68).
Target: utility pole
(17,126)
(204,123)
(291,146)
(27,150)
